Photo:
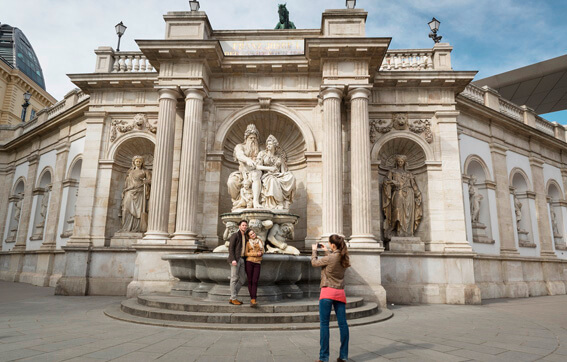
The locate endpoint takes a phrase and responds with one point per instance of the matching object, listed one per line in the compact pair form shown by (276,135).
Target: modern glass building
(16,50)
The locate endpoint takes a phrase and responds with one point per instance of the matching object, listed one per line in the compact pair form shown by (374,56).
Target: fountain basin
(207,275)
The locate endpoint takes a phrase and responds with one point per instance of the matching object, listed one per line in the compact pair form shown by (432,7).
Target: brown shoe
(340,360)
(253,303)
(234,301)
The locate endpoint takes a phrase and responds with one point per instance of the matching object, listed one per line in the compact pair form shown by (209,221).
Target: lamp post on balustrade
(194,5)
(350,4)
(434,26)
(27,97)
(120,30)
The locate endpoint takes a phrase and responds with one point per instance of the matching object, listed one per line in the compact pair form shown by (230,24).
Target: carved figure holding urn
(135,197)
(401,200)
(277,237)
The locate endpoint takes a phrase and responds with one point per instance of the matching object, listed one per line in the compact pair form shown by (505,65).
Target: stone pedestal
(479,234)
(125,239)
(364,277)
(406,244)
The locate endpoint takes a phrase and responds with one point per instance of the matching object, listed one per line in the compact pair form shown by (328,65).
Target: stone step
(115,312)
(245,316)
(194,305)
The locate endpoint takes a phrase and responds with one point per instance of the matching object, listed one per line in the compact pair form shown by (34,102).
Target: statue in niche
(18,209)
(284,23)
(517,210)
(278,183)
(263,180)
(44,205)
(554,225)
(474,198)
(277,237)
(135,197)
(401,200)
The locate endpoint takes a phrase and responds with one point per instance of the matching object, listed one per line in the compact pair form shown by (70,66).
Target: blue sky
(491,36)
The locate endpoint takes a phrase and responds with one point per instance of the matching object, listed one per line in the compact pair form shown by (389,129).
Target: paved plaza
(35,325)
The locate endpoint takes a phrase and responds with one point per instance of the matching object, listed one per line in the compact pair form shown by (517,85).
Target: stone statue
(44,205)
(263,180)
(231,228)
(18,209)
(474,198)
(261,228)
(518,210)
(245,185)
(284,18)
(135,197)
(401,201)
(278,183)
(554,225)
(277,237)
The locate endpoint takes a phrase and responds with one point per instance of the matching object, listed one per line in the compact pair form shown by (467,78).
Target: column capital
(332,92)
(195,93)
(359,92)
(169,93)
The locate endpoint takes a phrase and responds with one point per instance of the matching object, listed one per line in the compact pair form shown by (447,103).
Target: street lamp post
(27,97)
(434,26)
(120,29)
(194,5)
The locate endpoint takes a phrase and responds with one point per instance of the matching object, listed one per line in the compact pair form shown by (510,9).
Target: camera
(319,245)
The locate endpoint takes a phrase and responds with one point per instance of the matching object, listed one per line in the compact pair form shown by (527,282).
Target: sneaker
(253,303)
(234,301)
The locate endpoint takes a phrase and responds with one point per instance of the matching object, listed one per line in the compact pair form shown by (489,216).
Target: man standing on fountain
(236,260)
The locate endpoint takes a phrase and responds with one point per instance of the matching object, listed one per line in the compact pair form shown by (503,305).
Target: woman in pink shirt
(333,264)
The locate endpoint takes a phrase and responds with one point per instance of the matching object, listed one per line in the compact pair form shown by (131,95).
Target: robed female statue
(401,201)
(135,197)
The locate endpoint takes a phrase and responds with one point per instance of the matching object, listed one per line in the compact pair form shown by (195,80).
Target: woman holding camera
(333,264)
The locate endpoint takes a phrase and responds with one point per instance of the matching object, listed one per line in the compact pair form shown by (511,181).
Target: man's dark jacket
(235,244)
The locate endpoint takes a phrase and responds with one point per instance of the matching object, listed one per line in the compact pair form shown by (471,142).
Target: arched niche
(557,213)
(523,206)
(291,139)
(122,155)
(418,154)
(14,212)
(479,192)
(70,193)
(42,196)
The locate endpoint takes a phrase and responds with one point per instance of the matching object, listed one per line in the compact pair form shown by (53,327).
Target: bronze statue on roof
(284,18)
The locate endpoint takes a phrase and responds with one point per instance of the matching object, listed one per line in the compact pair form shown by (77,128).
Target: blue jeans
(325,306)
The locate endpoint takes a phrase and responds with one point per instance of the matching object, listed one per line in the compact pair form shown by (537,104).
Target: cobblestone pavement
(35,325)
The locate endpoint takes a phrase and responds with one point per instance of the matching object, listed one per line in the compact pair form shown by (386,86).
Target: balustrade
(511,110)
(545,126)
(408,60)
(129,62)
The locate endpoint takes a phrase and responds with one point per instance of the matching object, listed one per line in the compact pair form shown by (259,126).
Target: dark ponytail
(339,242)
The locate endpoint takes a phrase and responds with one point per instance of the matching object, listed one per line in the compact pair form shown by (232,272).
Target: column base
(185,238)
(155,237)
(363,239)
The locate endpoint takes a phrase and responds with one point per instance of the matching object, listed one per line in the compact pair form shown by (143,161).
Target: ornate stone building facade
(447,192)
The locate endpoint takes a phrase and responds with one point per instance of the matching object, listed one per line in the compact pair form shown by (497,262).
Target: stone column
(332,152)
(360,167)
(188,193)
(504,210)
(163,165)
(52,222)
(26,211)
(543,224)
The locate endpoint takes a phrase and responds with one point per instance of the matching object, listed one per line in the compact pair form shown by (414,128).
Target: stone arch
(287,112)
(378,147)
(76,164)
(45,177)
(553,190)
(519,180)
(126,139)
(475,165)
(19,186)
